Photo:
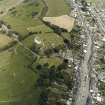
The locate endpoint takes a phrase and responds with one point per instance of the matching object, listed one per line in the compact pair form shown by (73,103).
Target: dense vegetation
(55,83)
(56,10)
(100,63)
(101,86)
(100,67)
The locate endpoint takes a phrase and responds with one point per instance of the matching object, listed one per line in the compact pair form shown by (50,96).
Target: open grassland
(49,40)
(6,4)
(24,16)
(57,7)
(4,40)
(17,79)
(41,28)
(51,61)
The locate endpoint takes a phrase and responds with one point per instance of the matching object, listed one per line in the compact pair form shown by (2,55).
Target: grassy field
(15,76)
(24,16)
(4,40)
(29,42)
(51,61)
(41,28)
(6,4)
(49,40)
(57,7)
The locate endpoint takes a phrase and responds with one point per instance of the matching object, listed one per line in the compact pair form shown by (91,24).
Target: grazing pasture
(23,16)
(4,40)
(15,77)
(57,7)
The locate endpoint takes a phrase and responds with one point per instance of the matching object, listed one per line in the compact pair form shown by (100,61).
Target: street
(83,77)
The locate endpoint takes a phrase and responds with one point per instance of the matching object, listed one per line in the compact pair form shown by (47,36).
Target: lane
(83,78)
(83,90)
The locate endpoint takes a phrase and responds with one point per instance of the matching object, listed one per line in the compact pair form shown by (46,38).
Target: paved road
(82,93)
(83,90)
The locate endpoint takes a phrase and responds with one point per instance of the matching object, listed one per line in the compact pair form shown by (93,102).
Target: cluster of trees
(101,87)
(74,42)
(55,83)
(84,5)
(75,38)
(101,58)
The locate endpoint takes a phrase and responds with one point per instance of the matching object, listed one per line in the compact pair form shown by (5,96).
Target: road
(83,90)
(83,77)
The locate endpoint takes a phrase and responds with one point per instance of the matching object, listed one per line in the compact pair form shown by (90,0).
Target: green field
(24,16)
(6,4)
(15,75)
(4,40)
(57,7)
(49,40)
(51,61)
